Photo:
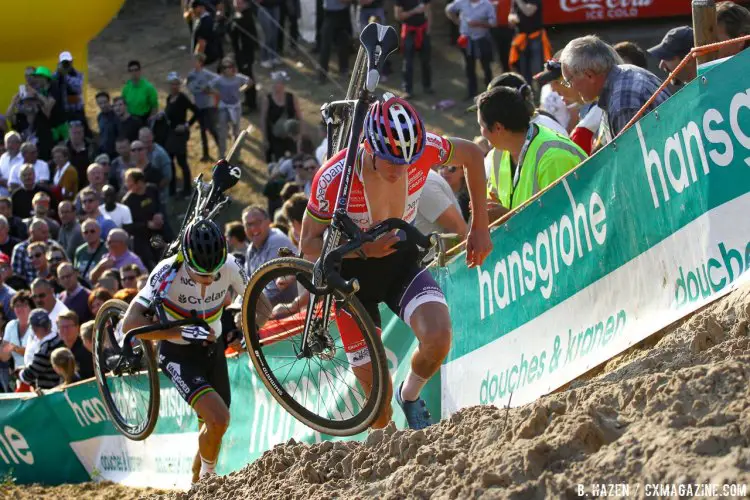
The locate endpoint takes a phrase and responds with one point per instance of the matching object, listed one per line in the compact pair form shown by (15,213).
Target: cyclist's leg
(422,306)
(359,357)
(189,369)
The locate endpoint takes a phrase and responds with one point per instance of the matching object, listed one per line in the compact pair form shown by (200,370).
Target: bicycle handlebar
(357,237)
(157,327)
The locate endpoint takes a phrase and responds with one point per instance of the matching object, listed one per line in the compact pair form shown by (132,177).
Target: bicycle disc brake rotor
(320,342)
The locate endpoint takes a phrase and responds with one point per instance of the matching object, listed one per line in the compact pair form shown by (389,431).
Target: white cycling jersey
(185,295)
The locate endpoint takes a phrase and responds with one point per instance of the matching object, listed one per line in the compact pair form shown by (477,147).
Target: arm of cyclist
(467,155)
(311,241)
(136,316)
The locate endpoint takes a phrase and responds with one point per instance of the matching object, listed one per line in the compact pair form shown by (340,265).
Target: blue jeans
(269,23)
(530,61)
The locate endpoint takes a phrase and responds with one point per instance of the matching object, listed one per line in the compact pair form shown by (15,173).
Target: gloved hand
(196,334)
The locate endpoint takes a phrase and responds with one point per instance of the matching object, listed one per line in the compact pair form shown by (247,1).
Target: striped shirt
(625,91)
(39,373)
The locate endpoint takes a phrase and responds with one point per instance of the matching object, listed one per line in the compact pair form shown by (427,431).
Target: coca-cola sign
(573,11)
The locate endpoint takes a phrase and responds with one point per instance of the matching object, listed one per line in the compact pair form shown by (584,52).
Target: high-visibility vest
(545,157)
(499,180)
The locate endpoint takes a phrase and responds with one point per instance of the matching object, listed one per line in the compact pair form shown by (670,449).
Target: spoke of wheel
(364,397)
(343,400)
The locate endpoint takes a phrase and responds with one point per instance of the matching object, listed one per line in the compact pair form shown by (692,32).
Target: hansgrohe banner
(648,230)
(66,436)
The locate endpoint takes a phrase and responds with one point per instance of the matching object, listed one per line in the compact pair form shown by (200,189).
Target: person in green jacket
(140,96)
(542,154)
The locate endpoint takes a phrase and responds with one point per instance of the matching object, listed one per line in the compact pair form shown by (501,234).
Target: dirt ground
(86,491)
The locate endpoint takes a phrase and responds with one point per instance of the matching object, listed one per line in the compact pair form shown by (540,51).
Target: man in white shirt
(11,158)
(44,297)
(116,211)
(438,210)
(31,156)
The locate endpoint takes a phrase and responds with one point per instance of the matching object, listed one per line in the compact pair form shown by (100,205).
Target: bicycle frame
(325,277)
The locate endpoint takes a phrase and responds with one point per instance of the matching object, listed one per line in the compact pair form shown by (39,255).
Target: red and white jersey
(325,185)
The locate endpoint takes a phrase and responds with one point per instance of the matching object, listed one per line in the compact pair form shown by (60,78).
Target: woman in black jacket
(175,112)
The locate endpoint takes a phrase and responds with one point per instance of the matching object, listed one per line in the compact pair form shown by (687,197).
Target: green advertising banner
(646,231)
(66,436)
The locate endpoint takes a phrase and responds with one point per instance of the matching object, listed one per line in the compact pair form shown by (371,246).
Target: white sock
(206,467)
(413,385)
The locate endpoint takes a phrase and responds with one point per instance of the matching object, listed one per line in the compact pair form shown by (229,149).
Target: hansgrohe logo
(712,275)
(537,262)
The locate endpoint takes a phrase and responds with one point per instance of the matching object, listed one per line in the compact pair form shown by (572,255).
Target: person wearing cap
(12,157)
(176,110)
(675,45)
(48,91)
(118,255)
(40,374)
(533,156)
(65,181)
(139,94)
(71,90)
(109,124)
(40,208)
(276,109)
(592,68)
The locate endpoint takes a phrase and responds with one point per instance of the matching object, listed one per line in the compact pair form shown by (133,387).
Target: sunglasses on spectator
(308,167)
(89,231)
(133,69)
(38,296)
(35,255)
(55,259)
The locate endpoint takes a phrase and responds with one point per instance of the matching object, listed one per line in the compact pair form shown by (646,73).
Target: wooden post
(704,27)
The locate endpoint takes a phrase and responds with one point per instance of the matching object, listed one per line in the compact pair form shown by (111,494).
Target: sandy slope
(675,413)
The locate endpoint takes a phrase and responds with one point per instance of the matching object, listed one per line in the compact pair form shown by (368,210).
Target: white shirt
(121,214)
(41,173)
(548,122)
(320,152)
(6,165)
(59,173)
(55,312)
(553,103)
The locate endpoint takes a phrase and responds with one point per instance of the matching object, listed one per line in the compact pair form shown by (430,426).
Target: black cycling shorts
(398,280)
(196,370)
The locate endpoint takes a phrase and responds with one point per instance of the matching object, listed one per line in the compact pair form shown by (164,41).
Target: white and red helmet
(394,131)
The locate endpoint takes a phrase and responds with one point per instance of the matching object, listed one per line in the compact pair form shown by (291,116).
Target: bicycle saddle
(379,42)
(225,175)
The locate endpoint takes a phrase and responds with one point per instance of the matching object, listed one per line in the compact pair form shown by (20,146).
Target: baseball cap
(43,71)
(66,56)
(4,259)
(552,71)
(279,76)
(39,317)
(173,76)
(676,43)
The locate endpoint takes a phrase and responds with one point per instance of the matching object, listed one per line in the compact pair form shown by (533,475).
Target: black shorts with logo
(196,370)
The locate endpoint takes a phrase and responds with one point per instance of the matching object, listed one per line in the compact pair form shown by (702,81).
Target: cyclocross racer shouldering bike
(195,280)
(391,169)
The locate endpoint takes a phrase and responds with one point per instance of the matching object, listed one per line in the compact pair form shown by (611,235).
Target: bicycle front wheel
(128,385)
(316,381)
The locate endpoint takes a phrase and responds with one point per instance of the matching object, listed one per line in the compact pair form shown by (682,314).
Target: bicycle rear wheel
(129,386)
(320,388)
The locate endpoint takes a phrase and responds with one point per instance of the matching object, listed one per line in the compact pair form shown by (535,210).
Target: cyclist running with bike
(391,169)
(195,280)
